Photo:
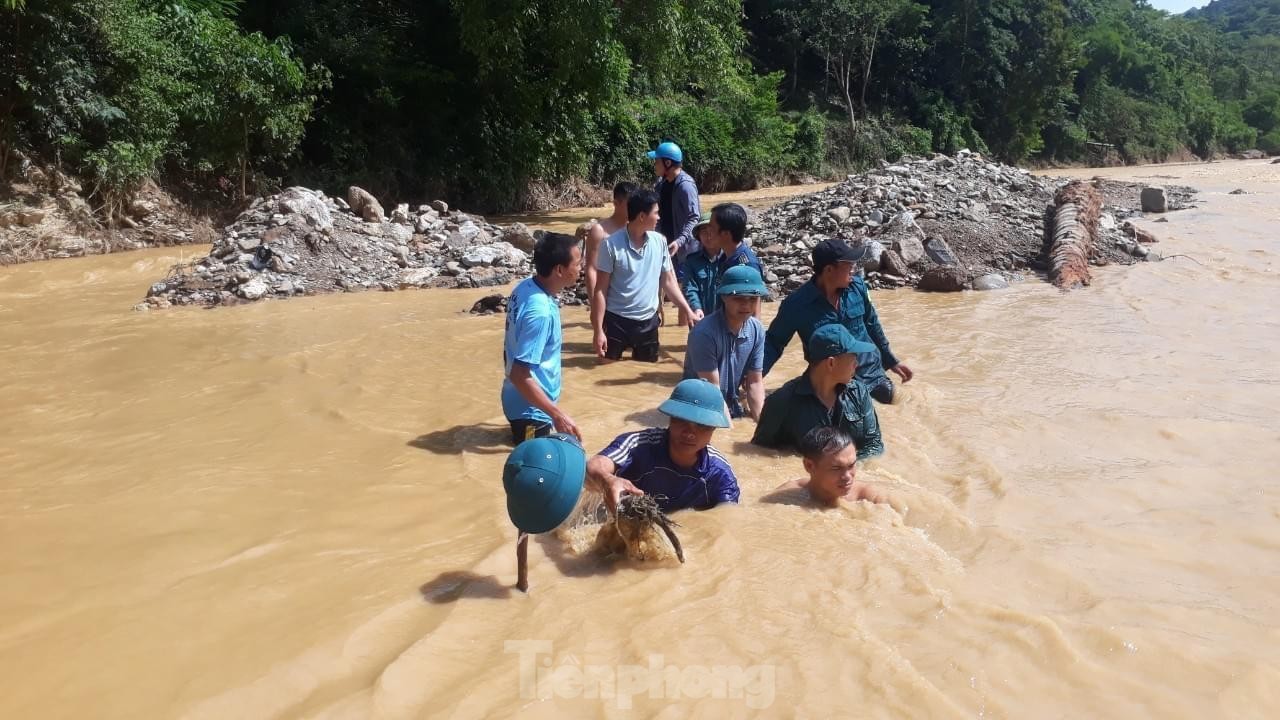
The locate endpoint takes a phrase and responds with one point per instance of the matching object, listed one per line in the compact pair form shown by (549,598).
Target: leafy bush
(875,139)
(1270,143)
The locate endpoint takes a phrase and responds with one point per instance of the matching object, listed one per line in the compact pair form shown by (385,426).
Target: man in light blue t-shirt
(531,348)
(630,266)
(727,348)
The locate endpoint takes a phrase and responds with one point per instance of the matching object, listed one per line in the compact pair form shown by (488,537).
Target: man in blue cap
(826,394)
(677,205)
(675,464)
(531,345)
(836,295)
(543,478)
(727,347)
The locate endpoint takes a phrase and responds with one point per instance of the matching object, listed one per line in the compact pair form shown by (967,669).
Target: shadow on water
(788,496)
(742,447)
(485,438)
(663,378)
(456,584)
(647,418)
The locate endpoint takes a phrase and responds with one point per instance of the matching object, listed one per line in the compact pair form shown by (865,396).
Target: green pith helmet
(543,478)
(697,401)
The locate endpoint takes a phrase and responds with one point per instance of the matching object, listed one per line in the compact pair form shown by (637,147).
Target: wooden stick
(522,563)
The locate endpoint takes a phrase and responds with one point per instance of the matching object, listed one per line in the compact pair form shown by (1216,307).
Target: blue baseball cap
(697,401)
(742,280)
(543,478)
(668,151)
(832,340)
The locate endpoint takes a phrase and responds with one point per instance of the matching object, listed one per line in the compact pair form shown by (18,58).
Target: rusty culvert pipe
(1071,230)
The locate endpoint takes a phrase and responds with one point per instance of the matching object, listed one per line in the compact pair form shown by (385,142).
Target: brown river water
(294,509)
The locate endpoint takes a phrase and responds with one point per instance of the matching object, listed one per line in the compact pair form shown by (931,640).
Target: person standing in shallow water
(831,463)
(598,230)
(630,267)
(836,295)
(532,343)
(678,204)
(727,347)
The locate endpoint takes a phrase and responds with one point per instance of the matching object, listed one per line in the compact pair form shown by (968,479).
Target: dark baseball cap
(829,252)
(832,340)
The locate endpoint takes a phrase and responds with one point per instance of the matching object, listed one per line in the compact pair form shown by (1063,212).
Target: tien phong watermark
(544,677)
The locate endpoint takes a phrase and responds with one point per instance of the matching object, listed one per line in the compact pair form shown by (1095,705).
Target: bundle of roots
(633,531)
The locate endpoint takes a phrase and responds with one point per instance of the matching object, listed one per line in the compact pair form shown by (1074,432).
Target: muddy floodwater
(294,509)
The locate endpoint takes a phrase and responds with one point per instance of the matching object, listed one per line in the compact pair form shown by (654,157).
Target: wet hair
(731,217)
(641,201)
(822,441)
(552,251)
(624,190)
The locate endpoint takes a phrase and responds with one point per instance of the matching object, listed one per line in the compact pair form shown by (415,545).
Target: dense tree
(487,100)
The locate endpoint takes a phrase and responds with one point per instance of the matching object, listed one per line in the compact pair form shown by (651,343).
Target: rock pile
(938,224)
(302,242)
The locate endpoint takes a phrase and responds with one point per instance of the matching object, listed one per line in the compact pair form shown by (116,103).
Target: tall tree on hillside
(846,34)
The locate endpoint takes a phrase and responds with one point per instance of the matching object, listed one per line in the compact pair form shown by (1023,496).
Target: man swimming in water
(831,461)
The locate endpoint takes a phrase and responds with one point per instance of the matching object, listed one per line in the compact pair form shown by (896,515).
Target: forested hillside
(482,101)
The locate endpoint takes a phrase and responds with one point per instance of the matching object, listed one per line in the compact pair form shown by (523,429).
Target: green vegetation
(475,99)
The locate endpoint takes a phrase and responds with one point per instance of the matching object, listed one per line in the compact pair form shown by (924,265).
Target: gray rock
(891,263)
(871,252)
(425,224)
(943,279)
(518,235)
(365,205)
(440,206)
(402,256)
(840,214)
(417,277)
(401,216)
(311,206)
(910,249)
(875,216)
(939,251)
(1154,200)
(990,282)
(482,255)
(252,290)
(248,243)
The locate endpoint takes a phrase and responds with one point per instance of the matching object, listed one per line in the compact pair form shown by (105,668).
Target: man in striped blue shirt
(675,464)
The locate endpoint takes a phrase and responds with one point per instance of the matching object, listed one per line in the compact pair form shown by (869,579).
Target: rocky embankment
(941,223)
(944,223)
(303,242)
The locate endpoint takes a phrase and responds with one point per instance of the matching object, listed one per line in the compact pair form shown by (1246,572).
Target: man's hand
(902,371)
(601,344)
(565,424)
(695,316)
(672,247)
(615,488)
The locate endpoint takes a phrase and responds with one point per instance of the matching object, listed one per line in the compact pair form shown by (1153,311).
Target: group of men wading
(657,241)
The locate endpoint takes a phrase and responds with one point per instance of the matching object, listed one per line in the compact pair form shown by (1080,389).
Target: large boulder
(365,205)
(417,277)
(891,263)
(909,248)
(519,236)
(308,204)
(990,282)
(840,214)
(943,278)
(1154,200)
(939,251)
